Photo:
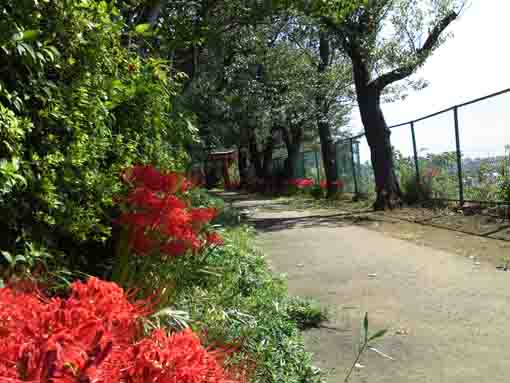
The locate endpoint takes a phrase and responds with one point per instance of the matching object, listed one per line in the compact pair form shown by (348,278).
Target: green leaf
(31,35)
(365,327)
(19,258)
(378,334)
(28,35)
(7,256)
(142,28)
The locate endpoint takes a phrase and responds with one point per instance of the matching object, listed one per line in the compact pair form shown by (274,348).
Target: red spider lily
(301,182)
(203,215)
(174,248)
(214,239)
(152,179)
(95,335)
(144,198)
(188,184)
(157,219)
(174,358)
(46,339)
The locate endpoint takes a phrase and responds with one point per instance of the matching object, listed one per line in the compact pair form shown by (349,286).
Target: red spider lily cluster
(301,182)
(339,184)
(159,217)
(95,335)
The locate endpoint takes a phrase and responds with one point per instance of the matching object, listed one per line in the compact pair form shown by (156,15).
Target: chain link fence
(461,153)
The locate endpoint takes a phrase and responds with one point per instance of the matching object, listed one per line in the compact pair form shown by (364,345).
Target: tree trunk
(329,158)
(292,136)
(389,194)
(292,160)
(267,167)
(327,144)
(255,155)
(242,164)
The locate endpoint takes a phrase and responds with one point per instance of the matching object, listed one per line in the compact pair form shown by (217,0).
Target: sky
(472,64)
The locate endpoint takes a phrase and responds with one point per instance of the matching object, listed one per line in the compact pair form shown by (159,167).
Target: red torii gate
(227,157)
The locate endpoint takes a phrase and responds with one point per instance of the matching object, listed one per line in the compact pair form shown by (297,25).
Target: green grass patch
(306,313)
(240,301)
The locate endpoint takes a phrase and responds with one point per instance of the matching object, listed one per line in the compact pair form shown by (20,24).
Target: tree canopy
(89,87)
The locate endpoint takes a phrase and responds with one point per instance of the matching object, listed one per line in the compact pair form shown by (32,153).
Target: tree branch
(421,55)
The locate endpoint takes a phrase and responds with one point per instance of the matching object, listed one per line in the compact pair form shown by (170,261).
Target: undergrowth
(241,302)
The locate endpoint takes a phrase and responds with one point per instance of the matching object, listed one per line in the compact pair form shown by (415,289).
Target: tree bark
(387,187)
(292,160)
(267,166)
(327,145)
(329,158)
(368,91)
(255,155)
(242,164)
(292,138)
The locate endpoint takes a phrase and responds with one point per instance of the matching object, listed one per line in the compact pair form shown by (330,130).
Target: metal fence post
(459,156)
(303,165)
(415,149)
(353,163)
(317,166)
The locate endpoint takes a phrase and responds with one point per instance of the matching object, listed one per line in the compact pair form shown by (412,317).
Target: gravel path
(449,317)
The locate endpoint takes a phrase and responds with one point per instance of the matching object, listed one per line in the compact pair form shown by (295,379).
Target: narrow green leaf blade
(378,334)
(365,326)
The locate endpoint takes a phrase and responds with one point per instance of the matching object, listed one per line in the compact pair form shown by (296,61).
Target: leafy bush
(37,264)
(77,105)
(417,190)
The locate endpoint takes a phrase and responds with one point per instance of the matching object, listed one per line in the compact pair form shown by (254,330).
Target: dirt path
(448,315)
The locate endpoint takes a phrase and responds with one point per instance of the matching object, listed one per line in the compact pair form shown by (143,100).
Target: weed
(307,313)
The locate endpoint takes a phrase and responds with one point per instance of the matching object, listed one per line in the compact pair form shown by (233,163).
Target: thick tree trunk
(292,160)
(389,194)
(327,144)
(329,158)
(267,166)
(292,137)
(255,155)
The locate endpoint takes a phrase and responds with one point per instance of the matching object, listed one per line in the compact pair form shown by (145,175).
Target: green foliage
(503,181)
(317,192)
(438,177)
(306,312)
(243,302)
(77,105)
(414,190)
(35,262)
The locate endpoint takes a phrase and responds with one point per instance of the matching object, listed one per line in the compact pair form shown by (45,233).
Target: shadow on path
(271,224)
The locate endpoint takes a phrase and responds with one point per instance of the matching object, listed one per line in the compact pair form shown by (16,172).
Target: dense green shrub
(77,104)
(240,302)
